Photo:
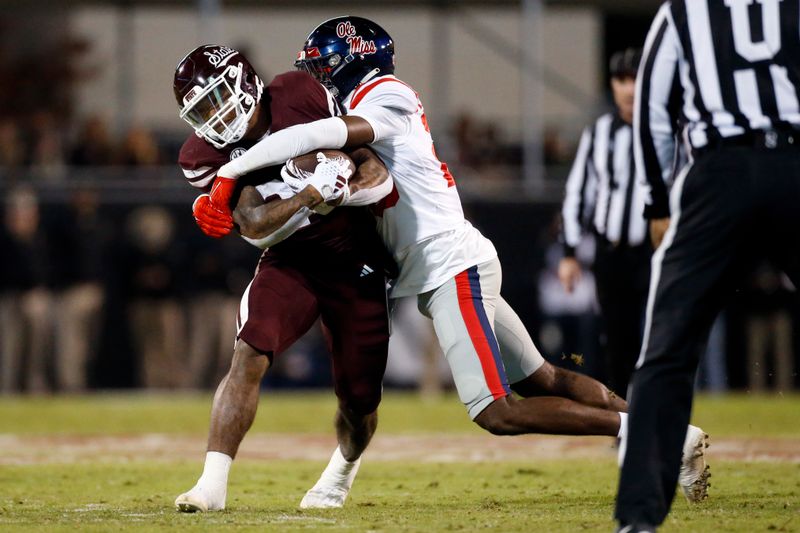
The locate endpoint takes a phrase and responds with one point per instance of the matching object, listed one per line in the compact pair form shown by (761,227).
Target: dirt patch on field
(15,449)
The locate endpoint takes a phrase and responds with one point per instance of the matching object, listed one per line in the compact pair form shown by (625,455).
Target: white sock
(622,435)
(623,425)
(339,471)
(215,472)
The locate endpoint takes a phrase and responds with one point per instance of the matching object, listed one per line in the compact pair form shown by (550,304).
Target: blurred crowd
(40,147)
(93,295)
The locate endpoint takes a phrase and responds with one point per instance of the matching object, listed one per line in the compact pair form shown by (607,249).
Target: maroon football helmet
(217,91)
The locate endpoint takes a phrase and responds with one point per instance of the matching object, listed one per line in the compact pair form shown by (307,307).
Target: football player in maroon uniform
(318,262)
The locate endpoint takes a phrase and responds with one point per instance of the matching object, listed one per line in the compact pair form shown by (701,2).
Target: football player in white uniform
(443,259)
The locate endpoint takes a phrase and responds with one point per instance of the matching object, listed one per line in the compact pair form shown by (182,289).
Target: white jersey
(422,221)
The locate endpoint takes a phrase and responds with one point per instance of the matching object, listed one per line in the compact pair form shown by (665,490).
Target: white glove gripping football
(294,177)
(328,178)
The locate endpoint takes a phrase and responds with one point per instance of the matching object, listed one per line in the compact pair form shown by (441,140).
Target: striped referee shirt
(603,192)
(713,69)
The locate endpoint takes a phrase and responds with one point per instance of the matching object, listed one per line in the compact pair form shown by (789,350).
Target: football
(303,166)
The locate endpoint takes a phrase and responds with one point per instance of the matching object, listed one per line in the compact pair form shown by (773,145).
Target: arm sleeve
(575,200)
(654,116)
(281,146)
(372,195)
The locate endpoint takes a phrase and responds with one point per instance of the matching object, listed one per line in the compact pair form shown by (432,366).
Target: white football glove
(294,177)
(330,178)
(290,173)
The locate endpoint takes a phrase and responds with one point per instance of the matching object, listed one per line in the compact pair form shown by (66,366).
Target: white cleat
(333,486)
(198,500)
(324,498)
(694,474)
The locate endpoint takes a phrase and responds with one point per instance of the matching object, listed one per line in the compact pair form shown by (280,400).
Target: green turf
(549,497)
(546,496)
(723,416)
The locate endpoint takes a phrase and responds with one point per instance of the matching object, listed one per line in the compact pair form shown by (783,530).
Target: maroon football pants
(284,300)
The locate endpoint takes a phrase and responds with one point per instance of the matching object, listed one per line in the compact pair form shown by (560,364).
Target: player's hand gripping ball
(328,171)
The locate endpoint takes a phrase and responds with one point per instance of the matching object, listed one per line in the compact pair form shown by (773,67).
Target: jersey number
(451,182)
(743,34)
(764,50)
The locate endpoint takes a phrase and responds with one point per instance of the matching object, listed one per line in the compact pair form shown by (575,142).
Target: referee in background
(604,196)
(733,67)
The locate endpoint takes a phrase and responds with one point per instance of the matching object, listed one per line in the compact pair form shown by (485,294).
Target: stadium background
(98,244)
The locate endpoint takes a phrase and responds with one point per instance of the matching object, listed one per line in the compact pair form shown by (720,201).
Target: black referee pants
(621,275)
(732,207)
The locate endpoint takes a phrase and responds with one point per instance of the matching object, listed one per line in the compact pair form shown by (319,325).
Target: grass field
(116,462)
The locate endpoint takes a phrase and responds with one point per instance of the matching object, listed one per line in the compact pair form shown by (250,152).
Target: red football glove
(221,194)
(213,222)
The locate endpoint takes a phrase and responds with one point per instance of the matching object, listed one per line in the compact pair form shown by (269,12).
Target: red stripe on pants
(466,303)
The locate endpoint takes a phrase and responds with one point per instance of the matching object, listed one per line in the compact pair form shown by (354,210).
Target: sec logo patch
(236,152)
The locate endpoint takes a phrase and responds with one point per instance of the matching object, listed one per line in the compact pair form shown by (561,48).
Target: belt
(780,139)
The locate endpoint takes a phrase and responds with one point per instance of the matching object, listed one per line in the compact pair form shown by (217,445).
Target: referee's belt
(776,139)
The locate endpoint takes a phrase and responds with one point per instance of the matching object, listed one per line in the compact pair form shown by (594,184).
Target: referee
(734,66)
(605,196)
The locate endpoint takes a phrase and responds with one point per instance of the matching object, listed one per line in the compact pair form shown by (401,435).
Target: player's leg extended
(276,309)
(531,376)
(463,313)
(356,325)
(701,256)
